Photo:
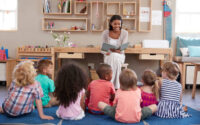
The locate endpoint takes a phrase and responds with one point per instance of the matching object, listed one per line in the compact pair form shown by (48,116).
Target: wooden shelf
(81,8)
(65,24)
(113,8)
(145,26)
(97,16)
(53,8)
(129,24)
(129,8)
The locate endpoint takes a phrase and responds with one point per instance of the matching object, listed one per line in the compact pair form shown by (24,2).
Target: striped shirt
(20,99)
(170,90)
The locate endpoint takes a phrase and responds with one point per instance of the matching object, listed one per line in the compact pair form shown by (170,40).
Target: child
(101,90)
(45,68)
(70,85)
(150,92)
(126,107)
(23,91)
(169,105)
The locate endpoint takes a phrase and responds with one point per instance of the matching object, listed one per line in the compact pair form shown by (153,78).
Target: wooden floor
(187,97)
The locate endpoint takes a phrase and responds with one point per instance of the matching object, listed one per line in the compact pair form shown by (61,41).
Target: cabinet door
(190,75)
(2,71)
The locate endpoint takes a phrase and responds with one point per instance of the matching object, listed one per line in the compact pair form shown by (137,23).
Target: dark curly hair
(115,17)
(70,80)
(103,70)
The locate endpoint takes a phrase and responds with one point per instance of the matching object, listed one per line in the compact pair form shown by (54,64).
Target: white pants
(115,60)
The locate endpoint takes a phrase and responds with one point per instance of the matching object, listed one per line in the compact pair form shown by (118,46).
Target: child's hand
(46,117)
(185,108)
(107,53)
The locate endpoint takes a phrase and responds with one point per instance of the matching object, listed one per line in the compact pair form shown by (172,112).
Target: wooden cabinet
(81,15)
(97,16)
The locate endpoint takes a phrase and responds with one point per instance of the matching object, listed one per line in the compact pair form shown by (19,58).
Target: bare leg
(153,108)
(1,110)
(102,105)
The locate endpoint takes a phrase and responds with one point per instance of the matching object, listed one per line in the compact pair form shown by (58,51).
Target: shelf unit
(97,16)
(129,24)
(145,26)
(81,8)
(113,8)
(53,8)
(65,24)
(129,8)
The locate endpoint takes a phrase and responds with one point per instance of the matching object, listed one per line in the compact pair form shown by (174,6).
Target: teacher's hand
(115,50)
(108,53)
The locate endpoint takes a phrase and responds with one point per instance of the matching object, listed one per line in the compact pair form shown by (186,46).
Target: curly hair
(128,79)
(24,74)
(70,80)
(172,69)
(103,70)
(42,64)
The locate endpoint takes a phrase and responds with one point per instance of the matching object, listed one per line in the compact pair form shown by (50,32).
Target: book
(107,46)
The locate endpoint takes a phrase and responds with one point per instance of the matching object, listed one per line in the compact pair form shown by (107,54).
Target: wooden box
(151,56)
(94,75)
(71,55)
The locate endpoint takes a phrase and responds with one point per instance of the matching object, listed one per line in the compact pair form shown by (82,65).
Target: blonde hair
(128,79)
(172,70)
(24,74)
(150,78)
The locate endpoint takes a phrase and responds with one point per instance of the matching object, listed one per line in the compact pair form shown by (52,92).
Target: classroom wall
(30,33)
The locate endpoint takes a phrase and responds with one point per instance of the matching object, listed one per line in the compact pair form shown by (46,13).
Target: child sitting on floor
(126,107)
(24,90)
(101,90)
(70,85)
(169,105)
(150,89)
(45,68)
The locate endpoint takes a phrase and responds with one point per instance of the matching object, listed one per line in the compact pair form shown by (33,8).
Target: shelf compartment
(65,24)
(145,26)
(129,24)
(97,16)
(81,8)
(129,8)
(113,8)
(53,8)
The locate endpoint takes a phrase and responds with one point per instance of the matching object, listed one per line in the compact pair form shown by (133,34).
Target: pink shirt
(148,99)
(73,110)
(128,108)
(100,90)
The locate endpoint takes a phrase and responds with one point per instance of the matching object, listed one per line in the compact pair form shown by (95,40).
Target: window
(8,15)
(187,16)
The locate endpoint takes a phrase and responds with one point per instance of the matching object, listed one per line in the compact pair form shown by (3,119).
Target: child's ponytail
(155,89)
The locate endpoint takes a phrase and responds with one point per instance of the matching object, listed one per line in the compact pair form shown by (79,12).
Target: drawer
(152,56)
(71,55)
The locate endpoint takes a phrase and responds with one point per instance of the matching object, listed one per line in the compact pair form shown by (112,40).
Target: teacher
(114,57)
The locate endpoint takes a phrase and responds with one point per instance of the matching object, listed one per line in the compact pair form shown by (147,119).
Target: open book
(107,46)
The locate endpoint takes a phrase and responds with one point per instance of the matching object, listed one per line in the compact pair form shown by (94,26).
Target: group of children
(71,92)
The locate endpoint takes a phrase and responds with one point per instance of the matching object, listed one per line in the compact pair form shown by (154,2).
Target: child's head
(45,67)
(149,77)
(104,71)
(24,74)
(128,79)
(170,70)
(70,80)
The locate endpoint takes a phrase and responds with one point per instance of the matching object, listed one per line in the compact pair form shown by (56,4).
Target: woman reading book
(115,36)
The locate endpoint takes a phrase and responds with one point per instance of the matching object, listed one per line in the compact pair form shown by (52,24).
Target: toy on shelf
(3,53)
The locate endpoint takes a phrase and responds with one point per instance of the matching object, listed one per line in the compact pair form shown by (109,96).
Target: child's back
(169,105)
(70,84)
(102,89)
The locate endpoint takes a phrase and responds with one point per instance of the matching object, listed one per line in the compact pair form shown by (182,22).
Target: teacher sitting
(115,36)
